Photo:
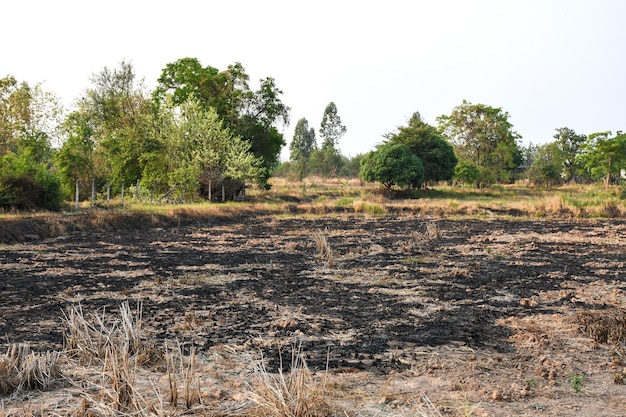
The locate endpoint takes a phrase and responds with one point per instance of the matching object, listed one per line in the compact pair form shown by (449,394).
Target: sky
(548,63)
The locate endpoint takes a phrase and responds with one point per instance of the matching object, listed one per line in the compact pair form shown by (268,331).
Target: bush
(28,187)
(393,164)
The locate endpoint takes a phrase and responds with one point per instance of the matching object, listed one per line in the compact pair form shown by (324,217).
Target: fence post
(122,193)
(209,191)
(223,193)
(108,191)
(137,190)
(184,188)
(93,192)
(77,192)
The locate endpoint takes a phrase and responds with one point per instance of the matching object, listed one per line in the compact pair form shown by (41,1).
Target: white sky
(549,63)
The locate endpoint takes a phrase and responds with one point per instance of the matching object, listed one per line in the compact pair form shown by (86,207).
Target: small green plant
(576,381)
(538,407)
(532,383)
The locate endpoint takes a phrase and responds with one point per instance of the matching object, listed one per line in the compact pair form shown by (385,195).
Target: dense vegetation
(206,132)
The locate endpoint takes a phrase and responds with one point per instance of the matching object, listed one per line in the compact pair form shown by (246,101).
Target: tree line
(475,144)
(207,130)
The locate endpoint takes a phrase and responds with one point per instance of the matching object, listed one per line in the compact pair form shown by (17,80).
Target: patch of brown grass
(603,326)
(295,394)
(21,369)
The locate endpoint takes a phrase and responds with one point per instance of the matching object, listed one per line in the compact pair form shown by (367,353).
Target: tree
(392,164)
(326,162)
(436,154)
(546,166)
(75,160)
(568,144)
(28,124)
(301,147)
(483,135)
(122,117)
(604,155)
(466,172)
(253,115)
(202,152)
(331,128)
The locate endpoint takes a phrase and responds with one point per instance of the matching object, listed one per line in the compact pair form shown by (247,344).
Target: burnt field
(495,315)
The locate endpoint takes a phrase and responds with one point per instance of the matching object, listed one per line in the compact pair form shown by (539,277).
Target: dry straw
(295,394)
(324,251)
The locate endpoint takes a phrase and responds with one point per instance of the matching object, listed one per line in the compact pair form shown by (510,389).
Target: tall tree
(604,155)
(75,160)
(122,116)
(253,115)
(483,135)
(331,128)
(436,154)
(302,145)
(568,143)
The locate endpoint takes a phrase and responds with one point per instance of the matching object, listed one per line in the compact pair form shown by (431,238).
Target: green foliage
(75,159)
(252,115)
(603,155)
(466,172)
(352,166)
(393,164)
(326,162)
(301,147)
(568,145)
(202,152)
(121,118)
(25,184)
(331,128)
(576,381)
(436,154)
(483,135)
(546,166)
(28,123)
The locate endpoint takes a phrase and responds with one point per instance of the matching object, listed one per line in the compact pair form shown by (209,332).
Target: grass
(295,394)
(324,252)
(325,197)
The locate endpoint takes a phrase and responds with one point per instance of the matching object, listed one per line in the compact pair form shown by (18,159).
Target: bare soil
(486,317)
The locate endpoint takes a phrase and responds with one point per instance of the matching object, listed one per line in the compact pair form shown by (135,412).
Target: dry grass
(21,369)
(295,394)
(323,250)
(603,326)
(90,339)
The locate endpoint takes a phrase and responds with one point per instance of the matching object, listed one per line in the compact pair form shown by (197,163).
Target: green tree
(28,124)
(75,159)
(393,164)
(122,116)
(436,154)
(203,153)
(302,145)
(546,167)
(466,172)
(604,155)
(483,135)
(331,128)
(568,145)
(352,166)
(253,115)
(187,78)
(326,162)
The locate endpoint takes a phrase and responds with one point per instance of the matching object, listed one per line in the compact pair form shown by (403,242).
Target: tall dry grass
(293,394)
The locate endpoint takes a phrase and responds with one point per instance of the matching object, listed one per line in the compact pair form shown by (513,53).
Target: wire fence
(178,194)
